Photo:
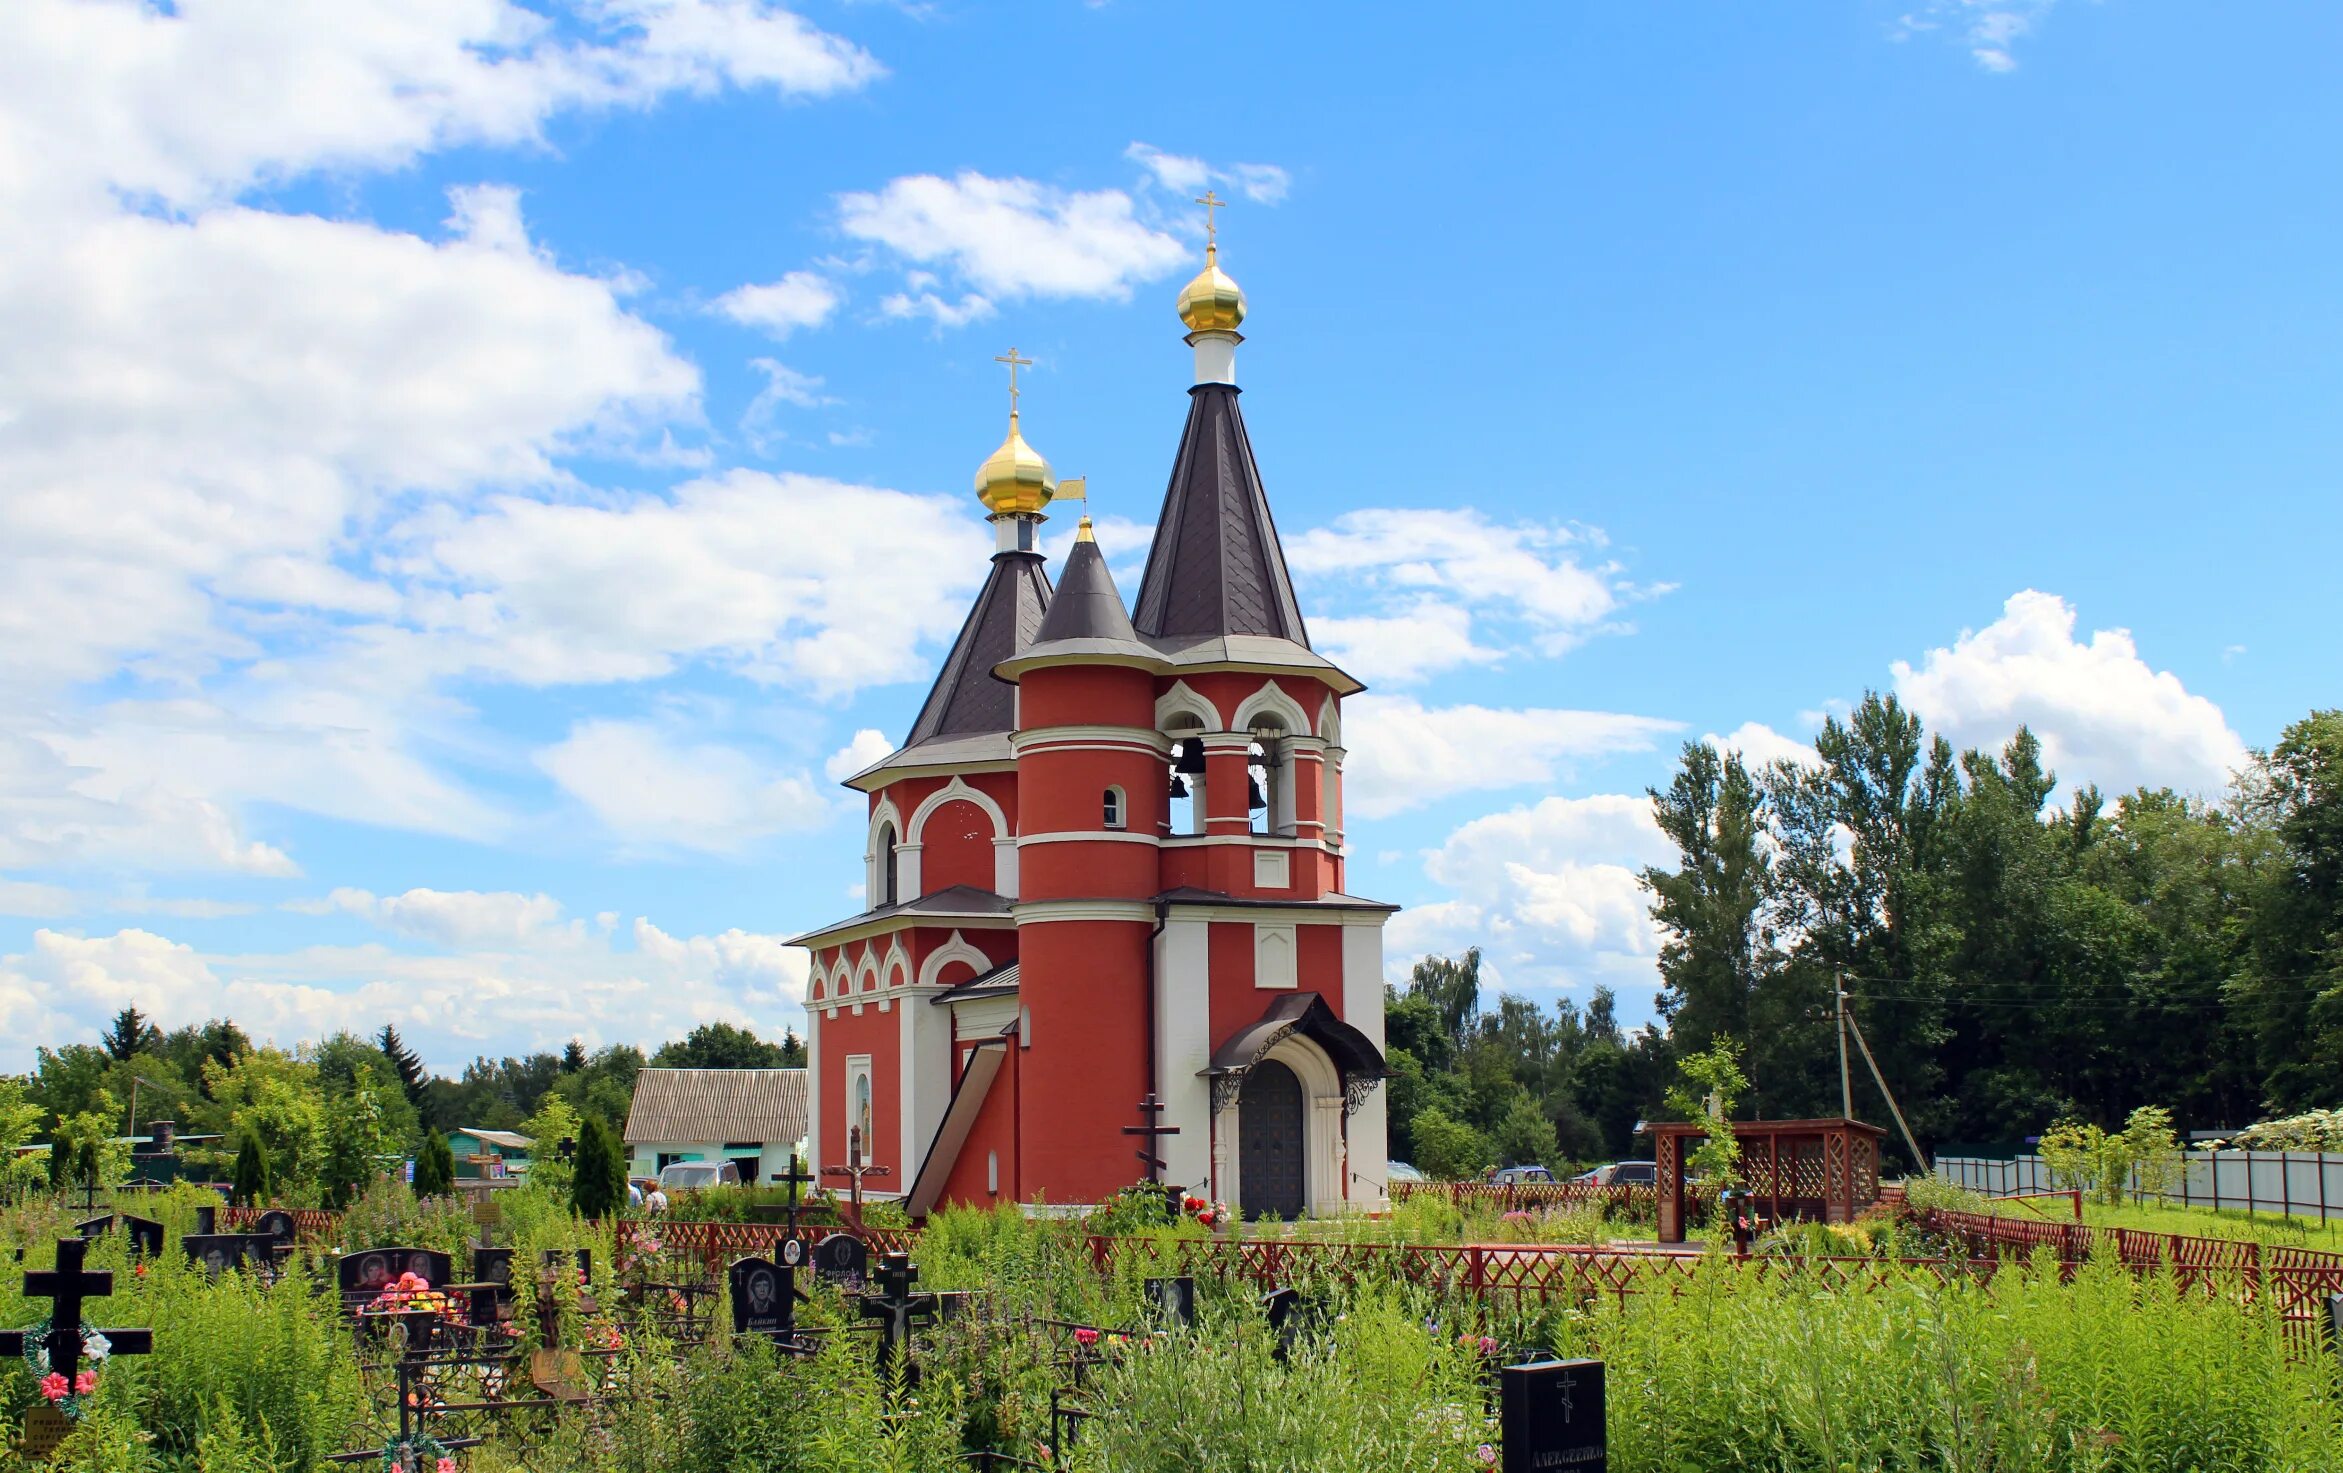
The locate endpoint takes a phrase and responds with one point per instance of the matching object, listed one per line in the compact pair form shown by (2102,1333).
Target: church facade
(1105,873)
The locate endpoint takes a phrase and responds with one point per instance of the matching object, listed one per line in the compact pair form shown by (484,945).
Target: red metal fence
(310,1224)
(1523,1196)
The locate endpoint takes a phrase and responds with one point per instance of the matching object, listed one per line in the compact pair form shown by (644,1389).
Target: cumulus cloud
(1759,745)
(649,789)
(1404,754)
(1550,891)
(868,746)
(1538,586)
(536,984)
(2102,713)
(1006,239)
(1263,184)
(457,918)
(1404,648)
(799,299)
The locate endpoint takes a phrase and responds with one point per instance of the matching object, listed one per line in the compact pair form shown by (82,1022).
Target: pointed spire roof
(1086,622)
(969,714)
(1216,569)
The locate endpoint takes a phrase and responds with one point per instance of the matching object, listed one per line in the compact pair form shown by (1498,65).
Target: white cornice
(1044,912)
(1123,735)
(1087,836)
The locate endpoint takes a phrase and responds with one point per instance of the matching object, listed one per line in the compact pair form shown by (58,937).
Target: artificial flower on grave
(54,1386)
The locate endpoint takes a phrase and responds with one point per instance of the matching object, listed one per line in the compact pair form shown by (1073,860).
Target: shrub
(1448,1149)
(435,1166)
(250,1185)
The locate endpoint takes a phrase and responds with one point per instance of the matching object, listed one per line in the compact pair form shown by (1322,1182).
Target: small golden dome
(1213,302)
(1015,478)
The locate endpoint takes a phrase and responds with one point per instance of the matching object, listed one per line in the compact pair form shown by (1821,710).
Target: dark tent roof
(1007,615)
(1085,604)
(1216,568)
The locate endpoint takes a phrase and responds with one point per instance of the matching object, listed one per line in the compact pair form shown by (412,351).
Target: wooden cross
(1014,363)
(796,1177)
(855,1173)
(67,1286)
(1150,1110)
(1211,202)
(898,1309)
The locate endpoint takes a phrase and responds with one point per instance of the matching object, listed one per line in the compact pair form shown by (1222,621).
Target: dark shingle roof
(1216,568)
(967,699)
(688,1106)
(1085,604)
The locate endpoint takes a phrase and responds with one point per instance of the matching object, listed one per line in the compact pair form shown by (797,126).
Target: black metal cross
(797,1178)
(899,1311)
(1151,1110)
(66,1286)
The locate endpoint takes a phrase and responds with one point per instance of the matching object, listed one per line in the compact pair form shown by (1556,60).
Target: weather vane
(1210,202)
(1014,363)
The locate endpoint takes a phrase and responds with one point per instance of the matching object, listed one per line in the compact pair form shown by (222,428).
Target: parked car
(1522,1176)
(692,1176)
(1401,1171)
(1622,1174)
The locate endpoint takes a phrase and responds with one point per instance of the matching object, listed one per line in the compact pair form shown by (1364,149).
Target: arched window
(1117,816)
(858,1117)
(884,860)
(1268,799)
(1185,810)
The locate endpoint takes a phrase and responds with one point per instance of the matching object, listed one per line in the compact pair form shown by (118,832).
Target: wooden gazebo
(1826,1169)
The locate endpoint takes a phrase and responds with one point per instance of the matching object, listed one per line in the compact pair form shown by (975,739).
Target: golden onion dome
(1015,478)
(1213,302)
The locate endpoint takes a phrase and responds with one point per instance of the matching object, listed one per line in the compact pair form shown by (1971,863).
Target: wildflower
(1487,1455)
(139,1270)
(446,1465)
(85,1383)
(1488,1346)
(54,1387)
(1085,1338)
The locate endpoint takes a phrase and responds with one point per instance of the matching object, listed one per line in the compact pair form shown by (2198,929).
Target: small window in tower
(1115,816)
(886,858)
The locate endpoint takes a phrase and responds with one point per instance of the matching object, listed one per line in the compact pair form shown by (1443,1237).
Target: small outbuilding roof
(690,1106)
(510,1140)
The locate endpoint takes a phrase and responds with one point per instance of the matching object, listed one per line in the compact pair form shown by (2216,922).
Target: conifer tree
(404,1063)
(249,1186)
(435,1166)
(600,1183)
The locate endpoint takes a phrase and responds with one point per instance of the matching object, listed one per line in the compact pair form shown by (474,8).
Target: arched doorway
(1270,1142)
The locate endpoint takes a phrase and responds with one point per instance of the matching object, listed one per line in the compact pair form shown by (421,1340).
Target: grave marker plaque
(146,1237)
(493,1266)
(1551,1414)
(1290,1317)
(277,1227)
(215,1252)
(44,1432)
(792,1252)
(842,1258)
(1174,1300)
(207,1220)
(551,1258)
(764,1298)
(368,1273)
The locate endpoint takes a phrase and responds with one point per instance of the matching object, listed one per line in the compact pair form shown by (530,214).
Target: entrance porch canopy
(1354,1055)
(1826,1168)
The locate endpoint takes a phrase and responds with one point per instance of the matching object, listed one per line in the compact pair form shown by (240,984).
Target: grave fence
(2287,1183)
(1523,1196)
(310,1224)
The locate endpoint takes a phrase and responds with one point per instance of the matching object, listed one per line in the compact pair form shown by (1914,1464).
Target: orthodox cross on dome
(1210,202)
(1014,363)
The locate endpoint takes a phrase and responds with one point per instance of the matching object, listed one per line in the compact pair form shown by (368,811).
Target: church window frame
(1117,810)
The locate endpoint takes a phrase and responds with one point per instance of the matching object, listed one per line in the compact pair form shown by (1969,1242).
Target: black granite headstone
(277,1227)
(2335,1321)
(207,1220)
(95,1228)
(146,1237)
(215,1253)
(1291,1316)
(493,1266)
(551,1258)
(764,1298)
(370,1272)
(1174,1300)
(1551,1414)
(842,1258)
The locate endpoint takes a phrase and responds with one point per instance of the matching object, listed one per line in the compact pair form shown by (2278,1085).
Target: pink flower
(1487,1455)
(446,1465)
(85,1384)
(1488,1346)
(1085,1337)
(54,1387)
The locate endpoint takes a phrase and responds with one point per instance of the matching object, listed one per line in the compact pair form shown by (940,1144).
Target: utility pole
(1846,1084)
(1889,1095)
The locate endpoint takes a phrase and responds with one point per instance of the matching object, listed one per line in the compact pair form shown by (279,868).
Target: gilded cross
(1014,363)
(1211,202)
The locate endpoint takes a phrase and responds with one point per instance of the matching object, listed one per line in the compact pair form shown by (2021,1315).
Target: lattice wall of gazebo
(1824,1169)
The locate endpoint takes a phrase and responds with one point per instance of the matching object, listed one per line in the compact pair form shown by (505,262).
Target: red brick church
(1105,872)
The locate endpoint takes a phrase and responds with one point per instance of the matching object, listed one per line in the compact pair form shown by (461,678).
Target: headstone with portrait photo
(1173,1301)
(216,1253)
(764,1298)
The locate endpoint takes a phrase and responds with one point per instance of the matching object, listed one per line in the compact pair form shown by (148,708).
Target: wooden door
(1269,1142)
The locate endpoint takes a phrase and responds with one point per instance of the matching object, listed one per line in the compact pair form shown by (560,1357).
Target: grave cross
(1151,1112)
(899,1311)
(66,1286)
(855,1173)
(796,1177)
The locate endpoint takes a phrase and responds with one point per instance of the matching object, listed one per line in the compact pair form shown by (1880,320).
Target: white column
(813,1086)
(1183,1047)
(1216,356)
(1362,1008)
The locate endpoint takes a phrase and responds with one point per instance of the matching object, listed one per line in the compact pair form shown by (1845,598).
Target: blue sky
(472,475)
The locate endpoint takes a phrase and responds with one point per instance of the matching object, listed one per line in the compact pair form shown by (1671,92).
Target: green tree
(405,1064)
(435,1166)
(250,1185)
(131,1035)
(1447,1149)
(1525,1137)
(1709,1085)
(1712,905)
(599,1186)
(718,1046)
(360,1135)
(2291,987)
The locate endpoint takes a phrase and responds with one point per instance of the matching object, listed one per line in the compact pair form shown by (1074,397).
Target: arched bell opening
(1185,776)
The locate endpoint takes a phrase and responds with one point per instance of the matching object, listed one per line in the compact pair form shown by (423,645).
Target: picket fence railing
(2289,1183)
(1522,1196)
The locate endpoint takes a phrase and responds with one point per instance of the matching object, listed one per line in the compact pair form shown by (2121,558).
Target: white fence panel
(2303,1183)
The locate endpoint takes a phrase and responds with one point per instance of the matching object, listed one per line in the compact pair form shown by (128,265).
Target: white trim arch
(1004,839)
(1329,723)
(1271,699)
(866,972)
(1324,1159)
(896,960)
(874,890)
(1181,699)
(957,949)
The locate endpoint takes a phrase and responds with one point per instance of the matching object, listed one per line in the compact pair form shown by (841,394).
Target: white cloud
(1988,28)
(538,985)
(457,918)
(799,299)
(2102,714)
(1529,576)
(868,746)
(1404,648)
(1404,754)
(41,902)
(1760,745)
(1007,239)
(783,385)
(1550,892)
(1263,184)
(706,797)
